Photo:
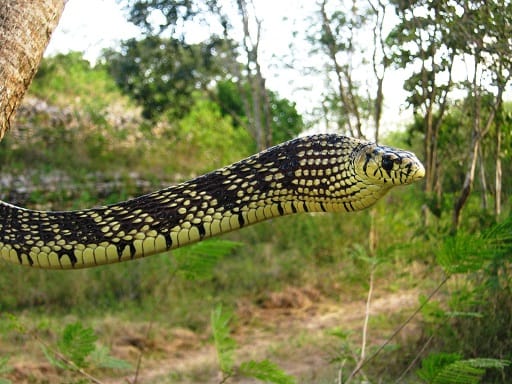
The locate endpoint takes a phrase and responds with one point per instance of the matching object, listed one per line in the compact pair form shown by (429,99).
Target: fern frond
(224,344)
(77,343)
(448,368)
(463,253)
(199,260)
(101,357)
(265,371)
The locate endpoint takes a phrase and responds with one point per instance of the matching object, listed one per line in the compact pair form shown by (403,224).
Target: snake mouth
(419,171)
(389,166)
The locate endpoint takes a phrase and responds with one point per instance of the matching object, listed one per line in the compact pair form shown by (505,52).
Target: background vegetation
(158,110)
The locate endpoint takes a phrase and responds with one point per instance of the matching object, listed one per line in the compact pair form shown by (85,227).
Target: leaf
(463,253)
(55,361)
(433,363)
(101,357)
(488,363)
(224,344)
(77,343)
(199,260)
(448,368)
(459,372)
(266,371)
(339,333)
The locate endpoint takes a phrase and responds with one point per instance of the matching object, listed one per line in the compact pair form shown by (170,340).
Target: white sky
(89,26)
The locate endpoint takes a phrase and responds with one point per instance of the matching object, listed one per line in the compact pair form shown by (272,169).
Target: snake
(316,173)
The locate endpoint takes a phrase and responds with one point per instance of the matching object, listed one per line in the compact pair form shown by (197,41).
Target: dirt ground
(289,328)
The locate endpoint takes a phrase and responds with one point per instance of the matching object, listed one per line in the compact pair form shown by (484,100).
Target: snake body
(318,173)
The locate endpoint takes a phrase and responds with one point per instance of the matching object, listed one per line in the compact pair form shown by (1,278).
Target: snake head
(387,165)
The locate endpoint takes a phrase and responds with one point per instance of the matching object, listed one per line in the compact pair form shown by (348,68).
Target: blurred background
(136,95)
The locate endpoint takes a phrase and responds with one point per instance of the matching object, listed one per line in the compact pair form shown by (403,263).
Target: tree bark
(498,175)
(25,30)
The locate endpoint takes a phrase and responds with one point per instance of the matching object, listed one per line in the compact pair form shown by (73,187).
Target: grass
(322,252)
(289,276)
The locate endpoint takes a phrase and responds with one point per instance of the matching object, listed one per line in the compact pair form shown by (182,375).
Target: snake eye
(388,161)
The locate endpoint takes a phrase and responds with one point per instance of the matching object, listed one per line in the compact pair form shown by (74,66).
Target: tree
(486,30)
(25,30)
(162,73)
(338,34)
(286,123)
(422,42)
(178,14)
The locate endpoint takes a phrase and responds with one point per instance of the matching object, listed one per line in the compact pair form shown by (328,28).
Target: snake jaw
(389,166)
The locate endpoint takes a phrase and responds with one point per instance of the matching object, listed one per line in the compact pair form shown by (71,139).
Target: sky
(89,26)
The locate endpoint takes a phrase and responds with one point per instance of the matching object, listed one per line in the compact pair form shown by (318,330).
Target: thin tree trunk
(498,174)
(483,178)
(25,30)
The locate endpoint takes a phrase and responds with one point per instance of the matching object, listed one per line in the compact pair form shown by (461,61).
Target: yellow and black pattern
(318,173)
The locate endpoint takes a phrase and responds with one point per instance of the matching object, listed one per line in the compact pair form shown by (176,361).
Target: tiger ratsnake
(318,173)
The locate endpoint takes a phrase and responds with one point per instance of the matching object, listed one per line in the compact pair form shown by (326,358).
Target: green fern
(77,343)
(466,253)
(101,357)
(77,348)
(199,260)
(449,368)
(266,371)
(463,253)
(224,344)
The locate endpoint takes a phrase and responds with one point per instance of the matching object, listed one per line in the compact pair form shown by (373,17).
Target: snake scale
(317,173)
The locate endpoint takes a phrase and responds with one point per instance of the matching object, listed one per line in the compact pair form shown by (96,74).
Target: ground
(290,328)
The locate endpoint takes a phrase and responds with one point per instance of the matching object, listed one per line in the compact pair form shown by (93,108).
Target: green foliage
(213,138)
(161,74)
(225,345)
(449,368)
(198,261)
(77,349)
(176,13)
(70,80)
(77,342)
(101,357)
(467,253)
(265,371)
(286,123)
(476,324)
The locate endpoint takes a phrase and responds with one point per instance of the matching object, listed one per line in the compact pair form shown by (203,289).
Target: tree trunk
(483,179)
(498,175)
(25,30)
